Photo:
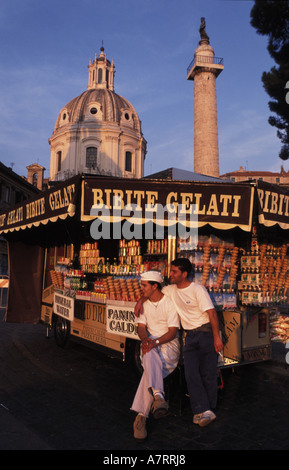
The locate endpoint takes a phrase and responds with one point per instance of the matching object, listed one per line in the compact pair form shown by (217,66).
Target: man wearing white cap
(158,330)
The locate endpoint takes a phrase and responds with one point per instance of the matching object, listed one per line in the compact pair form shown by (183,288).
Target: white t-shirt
(159,316)
(191,303)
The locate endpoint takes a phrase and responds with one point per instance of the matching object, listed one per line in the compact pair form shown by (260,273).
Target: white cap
(154,276)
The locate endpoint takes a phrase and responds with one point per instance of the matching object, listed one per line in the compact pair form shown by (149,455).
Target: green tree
(271,18)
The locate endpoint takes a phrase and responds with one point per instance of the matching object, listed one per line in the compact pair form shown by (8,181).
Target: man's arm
(168,336)
(143,334)
(147,343)
(138,308)
(215,328)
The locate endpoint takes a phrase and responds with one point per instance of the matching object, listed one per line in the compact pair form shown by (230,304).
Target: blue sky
(45,50)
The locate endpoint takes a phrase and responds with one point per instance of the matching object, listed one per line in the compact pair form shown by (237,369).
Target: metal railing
(202,59)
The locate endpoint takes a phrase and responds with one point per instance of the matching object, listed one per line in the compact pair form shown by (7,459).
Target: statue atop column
(204,36)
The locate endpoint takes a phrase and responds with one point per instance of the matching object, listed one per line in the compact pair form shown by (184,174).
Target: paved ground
(79,399)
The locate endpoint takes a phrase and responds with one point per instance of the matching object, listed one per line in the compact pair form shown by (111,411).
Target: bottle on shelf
(100,266)
(107,266)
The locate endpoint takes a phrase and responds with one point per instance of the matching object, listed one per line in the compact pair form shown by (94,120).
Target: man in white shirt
(202,341)
(158,331)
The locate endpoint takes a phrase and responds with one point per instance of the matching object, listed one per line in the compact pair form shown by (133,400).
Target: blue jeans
(200,361)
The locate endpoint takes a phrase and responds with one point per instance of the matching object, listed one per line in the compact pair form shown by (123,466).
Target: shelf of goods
(279,327)
(260,277)
(126,288)
(112,280)
(264,276)
(265,283)
(130,259)
(156,256)
(216,267)
(119,288)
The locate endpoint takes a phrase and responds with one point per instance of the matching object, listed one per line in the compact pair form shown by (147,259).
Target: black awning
(50,206)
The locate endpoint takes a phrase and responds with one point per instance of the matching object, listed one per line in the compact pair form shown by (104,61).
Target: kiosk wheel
(61,331)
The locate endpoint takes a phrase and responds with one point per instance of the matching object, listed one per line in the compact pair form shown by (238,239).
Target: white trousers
(157,364)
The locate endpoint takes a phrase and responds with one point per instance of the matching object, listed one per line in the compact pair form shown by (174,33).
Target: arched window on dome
(128,161)
(58,161)
(91,158)
(99,75)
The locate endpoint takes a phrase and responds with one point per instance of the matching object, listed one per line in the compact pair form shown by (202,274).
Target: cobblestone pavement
(79,399)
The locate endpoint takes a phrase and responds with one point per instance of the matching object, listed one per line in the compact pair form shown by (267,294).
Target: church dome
(99,131)
(98,105)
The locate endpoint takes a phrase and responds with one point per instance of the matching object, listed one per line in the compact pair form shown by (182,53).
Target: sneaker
(159,407)
(205,418)
(139,428)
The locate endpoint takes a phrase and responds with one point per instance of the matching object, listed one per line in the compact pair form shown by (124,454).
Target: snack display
(89,257)
(233,276)
(156,256)
(216,268)
(57,279)
(279,327)
(130,252)
(129,259)
(122,289)
(157,246)
(58,275)
(264,275)
(157,265)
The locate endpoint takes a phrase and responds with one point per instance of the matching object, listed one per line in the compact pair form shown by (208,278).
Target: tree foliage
(271,18)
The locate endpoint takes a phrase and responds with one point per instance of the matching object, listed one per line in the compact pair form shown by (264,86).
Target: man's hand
(218,344)
(215,328)
(146,345)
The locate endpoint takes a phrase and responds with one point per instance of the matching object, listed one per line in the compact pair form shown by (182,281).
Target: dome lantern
(101,72)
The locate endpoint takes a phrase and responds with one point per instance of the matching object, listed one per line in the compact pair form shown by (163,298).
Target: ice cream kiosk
(76,253)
